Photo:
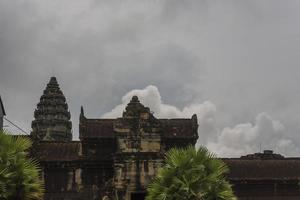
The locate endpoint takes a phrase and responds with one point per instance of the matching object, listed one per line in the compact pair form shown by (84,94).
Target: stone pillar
(43,175)
(78,179)
(70,180)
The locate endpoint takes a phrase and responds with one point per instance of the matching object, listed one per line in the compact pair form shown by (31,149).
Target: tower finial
(134,99)
(53,79)
(81,116)
(81,110)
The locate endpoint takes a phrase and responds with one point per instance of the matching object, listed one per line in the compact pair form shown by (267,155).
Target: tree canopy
(19,174)
(191,174)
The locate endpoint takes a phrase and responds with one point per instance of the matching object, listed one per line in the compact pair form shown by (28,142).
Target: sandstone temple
(117,158)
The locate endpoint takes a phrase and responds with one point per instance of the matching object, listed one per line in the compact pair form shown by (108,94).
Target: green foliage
(19,174)
(191,174)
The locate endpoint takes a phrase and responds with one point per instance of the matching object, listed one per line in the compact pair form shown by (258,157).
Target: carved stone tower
(52,117)
(139,153)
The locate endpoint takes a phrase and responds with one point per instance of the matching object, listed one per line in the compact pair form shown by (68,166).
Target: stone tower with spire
(52,117)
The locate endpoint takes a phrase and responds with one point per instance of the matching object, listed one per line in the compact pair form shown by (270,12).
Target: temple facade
(117,158)
(114,157)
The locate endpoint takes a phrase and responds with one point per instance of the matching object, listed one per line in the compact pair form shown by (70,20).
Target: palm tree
(19,174)
(191,174)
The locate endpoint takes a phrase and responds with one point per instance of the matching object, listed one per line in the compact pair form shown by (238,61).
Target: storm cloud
(238,58)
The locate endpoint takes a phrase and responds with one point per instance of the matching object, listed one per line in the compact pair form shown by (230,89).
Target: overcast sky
(234,63)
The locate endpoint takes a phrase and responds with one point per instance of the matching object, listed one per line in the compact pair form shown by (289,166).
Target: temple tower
(52,117)
(139,153)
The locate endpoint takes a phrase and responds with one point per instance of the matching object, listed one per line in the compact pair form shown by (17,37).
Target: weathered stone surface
(139,142)
(52,118)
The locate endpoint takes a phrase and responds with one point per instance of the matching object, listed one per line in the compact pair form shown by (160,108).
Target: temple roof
(266,154)
(169,128)
(59,151)
(257,169)
(97,128)
(103,128)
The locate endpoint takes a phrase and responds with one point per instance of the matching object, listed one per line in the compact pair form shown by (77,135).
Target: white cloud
(150,97)
(246,138)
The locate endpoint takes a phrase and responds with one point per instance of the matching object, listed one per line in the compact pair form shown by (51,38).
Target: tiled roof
(259,169)
(97,128)
(103,128)
(59,151)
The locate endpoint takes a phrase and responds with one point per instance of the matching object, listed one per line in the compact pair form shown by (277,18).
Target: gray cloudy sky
(234,63)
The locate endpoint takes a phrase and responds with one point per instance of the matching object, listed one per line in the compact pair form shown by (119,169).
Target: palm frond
(192,175)
(19,174)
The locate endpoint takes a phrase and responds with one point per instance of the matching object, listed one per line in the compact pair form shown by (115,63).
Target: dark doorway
(138,196)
